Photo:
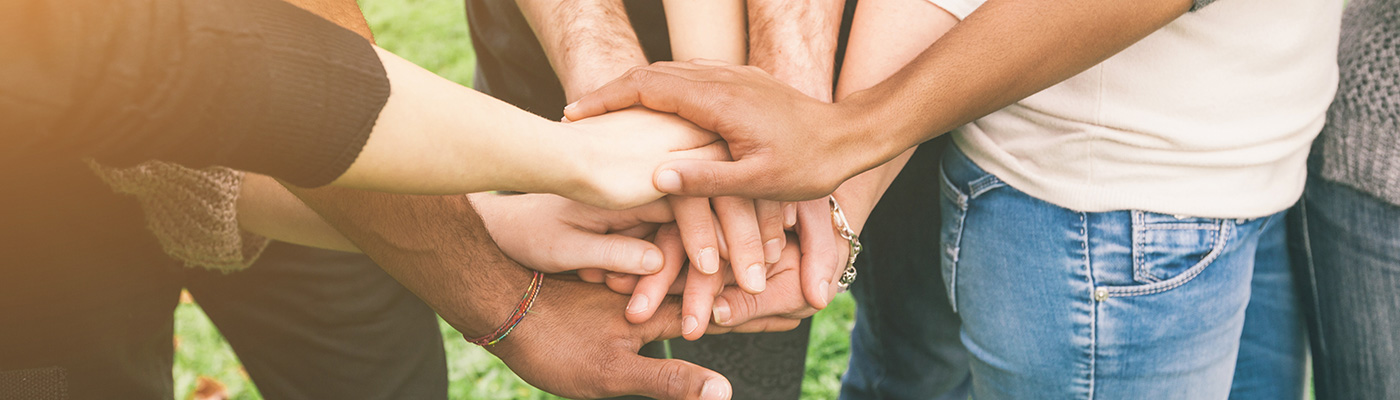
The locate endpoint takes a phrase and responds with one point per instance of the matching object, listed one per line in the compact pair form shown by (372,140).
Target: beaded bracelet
(515,318)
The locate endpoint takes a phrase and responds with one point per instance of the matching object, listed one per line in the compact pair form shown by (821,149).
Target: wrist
(868,131)
(557,161)
(492,303)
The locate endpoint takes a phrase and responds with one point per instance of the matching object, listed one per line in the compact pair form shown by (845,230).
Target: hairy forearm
(588,42)
(436,246)
(1001,53)
(796,43)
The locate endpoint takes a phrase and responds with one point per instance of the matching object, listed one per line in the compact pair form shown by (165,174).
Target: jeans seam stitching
(1094,310)
(958,197)
(982,185)
(953,259)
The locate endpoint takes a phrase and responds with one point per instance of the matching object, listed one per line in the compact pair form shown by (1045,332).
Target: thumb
(670,379)
(700,178)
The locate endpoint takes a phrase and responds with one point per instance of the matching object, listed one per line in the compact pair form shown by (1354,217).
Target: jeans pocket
(1169,251)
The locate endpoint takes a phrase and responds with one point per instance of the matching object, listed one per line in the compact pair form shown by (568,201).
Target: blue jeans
(1060,304)
(1350,269)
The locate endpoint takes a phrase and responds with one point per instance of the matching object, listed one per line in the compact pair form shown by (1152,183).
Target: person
(1269,358)
(310,114)
(1347,225)
(1125,248)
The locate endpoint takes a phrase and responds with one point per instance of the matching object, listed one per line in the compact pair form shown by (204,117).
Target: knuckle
(671,377)
(745,307)
(749,240)
(614,252)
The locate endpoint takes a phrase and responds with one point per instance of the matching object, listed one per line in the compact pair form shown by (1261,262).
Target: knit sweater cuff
(330,87)
(1361,153)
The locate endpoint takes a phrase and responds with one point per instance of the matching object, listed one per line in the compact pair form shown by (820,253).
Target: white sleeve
(959,8)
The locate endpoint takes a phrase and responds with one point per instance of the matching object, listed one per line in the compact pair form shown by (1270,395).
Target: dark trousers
(306,324)
(1347,257)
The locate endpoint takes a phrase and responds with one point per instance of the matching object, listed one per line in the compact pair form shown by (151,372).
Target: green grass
(475,373)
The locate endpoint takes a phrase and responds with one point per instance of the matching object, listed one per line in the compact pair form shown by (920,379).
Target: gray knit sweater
(1361,143)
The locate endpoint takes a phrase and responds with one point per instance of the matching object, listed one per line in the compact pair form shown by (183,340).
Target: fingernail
(570,106)
(638,304)
(615,275)
(772,250)
(721,311)
(822,290)
(709,261)
(715,389)
(756,275)
(790,214)
(688,324)
(651,261)
(668,181)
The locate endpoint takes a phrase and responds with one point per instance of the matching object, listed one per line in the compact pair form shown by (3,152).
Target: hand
(784,299)
(787,145)
(749,234)
(552,234)
(574,344)
(779,306)
(620,152)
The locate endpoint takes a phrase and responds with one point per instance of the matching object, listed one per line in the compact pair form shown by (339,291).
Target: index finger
(664,87)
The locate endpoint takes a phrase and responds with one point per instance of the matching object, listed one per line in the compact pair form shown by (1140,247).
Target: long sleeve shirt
(255,85)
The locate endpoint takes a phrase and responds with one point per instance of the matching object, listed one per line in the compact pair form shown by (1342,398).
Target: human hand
(552,234)
(749,233)
(787,295)
(574,344)
(620,151)
(786,145)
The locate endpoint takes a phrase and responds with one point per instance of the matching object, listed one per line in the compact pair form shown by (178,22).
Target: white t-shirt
(1212,116)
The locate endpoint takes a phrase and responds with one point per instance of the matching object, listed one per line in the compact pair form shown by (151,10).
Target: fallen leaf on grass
(209,389)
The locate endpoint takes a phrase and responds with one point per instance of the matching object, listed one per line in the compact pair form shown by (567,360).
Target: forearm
(437,137)
(1001,53)
(796,43)
(709,29)
(885,36)
(588,42)
(436,246)
(266,208)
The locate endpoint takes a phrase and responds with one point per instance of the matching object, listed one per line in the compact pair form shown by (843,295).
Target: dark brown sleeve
(256,85)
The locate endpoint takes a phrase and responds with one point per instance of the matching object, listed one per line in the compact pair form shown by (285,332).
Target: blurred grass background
(433,34)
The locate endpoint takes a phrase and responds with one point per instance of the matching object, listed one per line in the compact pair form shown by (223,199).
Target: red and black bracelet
(515,318)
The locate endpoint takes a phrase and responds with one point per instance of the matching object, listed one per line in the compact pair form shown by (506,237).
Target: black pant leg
(86,295)
(319,324)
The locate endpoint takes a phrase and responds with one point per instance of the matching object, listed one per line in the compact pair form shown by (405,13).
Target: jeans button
(1100,294)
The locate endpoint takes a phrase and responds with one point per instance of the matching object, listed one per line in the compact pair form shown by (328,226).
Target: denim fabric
(904,344)
(1273,356)
(1059,304)
(1350,273)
